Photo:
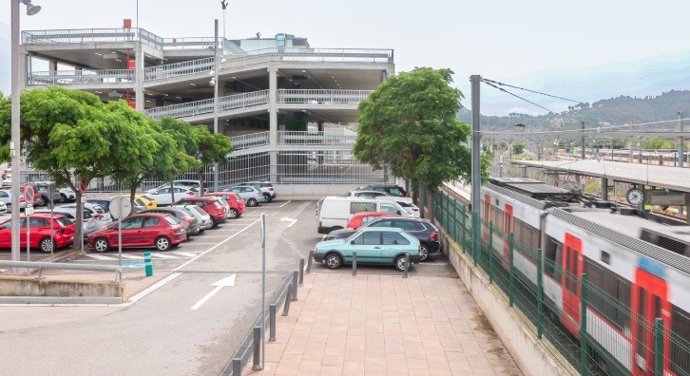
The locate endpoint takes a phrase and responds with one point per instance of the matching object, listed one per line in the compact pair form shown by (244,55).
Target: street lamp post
(15,144)
(215,84)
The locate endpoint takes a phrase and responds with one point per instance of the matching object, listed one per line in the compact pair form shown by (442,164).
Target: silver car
(252,196)
(204,219)
(99,213)
(89,224)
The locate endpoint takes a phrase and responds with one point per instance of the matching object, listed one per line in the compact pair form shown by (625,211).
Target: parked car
(6,173)
(266,188)
(210,205)
(374,245)
(391,189)
(141,203)
(334,212)
(88,225)
(423,229)
(164,196)
(38,198)
(236,204)
(190,223)
(99,214)
(252,196)
(3,208)
(41,237)
(360,219)
(370,193)
(6,198)
(194,185)
(204,219)
(105,203)
(43,188)
(67,194)
(142,230)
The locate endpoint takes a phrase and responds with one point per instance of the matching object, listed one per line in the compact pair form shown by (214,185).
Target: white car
(99,213)
(252,196)
(194,185)
(3,207)
(164,195)
(67,194)
(379,195)
(265,187)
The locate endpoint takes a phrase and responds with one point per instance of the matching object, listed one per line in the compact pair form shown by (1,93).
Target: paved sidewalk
(384,325)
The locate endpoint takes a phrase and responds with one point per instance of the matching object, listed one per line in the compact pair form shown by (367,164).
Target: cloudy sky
(533,43)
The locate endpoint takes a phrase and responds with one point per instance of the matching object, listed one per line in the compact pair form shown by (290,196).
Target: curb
(60,300)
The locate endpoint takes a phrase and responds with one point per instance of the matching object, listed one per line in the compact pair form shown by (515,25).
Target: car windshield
(64,221)
(172,220)
(198,210)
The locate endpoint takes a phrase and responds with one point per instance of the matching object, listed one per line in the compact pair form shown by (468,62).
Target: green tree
(657,143)
(518,148)
(409,122)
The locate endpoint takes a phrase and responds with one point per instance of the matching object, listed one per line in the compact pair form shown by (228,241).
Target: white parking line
(160,255)
(153,288)
(185,254)
(100,257)
(132,257)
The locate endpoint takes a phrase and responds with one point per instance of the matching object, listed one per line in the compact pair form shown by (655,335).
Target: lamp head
(30,8)
(212,82)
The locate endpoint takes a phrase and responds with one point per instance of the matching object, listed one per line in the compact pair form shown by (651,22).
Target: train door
(649,301)
(507,230)
(573,262)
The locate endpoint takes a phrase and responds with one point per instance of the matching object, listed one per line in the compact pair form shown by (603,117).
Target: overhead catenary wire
(517,96)
(486,80)
(596,129)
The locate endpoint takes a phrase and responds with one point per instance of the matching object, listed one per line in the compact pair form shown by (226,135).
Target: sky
(554,44)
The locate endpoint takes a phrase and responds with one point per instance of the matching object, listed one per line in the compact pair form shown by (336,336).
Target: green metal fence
(593,332)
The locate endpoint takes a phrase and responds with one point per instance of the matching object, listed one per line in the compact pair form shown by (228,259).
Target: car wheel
(62,199)
(423,252)
(214,223)
(233,213)
(334,261)
(41,202)
(162,243)
(101,245)
(267,197)
(46,245)
(400,263)
(252,202)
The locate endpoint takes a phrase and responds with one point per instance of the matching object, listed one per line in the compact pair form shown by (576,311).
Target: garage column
(139,78)
(605,188)
(687,208)
(273,121)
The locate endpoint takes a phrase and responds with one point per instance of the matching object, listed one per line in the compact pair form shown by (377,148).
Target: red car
(140,231)
(362,218)
(236,204)
(210,205)
(63,232)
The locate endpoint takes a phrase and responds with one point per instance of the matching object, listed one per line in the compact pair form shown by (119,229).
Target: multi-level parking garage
(289,109)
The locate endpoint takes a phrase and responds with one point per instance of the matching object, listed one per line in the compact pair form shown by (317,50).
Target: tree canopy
(409,122)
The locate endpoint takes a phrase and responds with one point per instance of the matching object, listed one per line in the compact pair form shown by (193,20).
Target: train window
(671,244)
(605,257)
(680,341)
(552,258)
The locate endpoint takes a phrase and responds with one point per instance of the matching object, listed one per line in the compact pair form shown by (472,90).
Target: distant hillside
(613,111)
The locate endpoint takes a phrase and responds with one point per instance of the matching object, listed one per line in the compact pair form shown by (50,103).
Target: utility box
(127,23)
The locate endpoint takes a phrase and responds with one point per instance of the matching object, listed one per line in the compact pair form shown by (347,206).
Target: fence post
(288,299)
(294,286)
(476,237)
(659,347)
(407,265)
(272,323)
(236,367)
(354,263)
(463,228)
(511,244)
(455,220)
(311,257)
(584,368)
(301,271)
(540,295)
(257,349)
(490,252)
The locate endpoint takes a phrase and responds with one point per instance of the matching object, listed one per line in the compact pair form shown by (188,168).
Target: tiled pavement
(384,325)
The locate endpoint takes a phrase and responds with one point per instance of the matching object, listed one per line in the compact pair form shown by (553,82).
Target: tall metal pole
(215,99)
(582,140)
(263,286)
(15,149)
(224,5)
(679,156)
(475,80)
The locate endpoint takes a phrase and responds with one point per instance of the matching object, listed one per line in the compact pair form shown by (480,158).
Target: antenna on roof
(258,35)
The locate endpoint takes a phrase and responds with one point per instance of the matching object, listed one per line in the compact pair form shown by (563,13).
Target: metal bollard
(301,271)
(407,265)
(272,323)
(237,367)
(354,263)
(257,349)
(311,258)
(148,263)
(288,299)
(294,286)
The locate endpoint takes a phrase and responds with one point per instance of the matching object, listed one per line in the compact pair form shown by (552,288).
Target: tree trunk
(430,200)
(132,193)
(200,174)
(78,231)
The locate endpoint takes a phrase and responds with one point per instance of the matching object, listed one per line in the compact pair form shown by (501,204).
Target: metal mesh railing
(92,35)
(205,106)
(315,138)
(321,96)
(597,333)
(83,77)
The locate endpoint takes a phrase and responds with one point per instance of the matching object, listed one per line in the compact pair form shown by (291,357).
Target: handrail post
(540,294)
(659,347)
(490,251)
(584,364)
(511,292)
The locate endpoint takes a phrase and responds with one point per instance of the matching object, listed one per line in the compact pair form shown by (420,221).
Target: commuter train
(638,270)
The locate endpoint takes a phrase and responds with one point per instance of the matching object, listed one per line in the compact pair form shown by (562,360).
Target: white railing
(205,106)
(75,77)
(314,138)
(91,36)
(249,140)
(321,96)
(178,69)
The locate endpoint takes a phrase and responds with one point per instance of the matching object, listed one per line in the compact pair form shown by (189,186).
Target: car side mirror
(352,242)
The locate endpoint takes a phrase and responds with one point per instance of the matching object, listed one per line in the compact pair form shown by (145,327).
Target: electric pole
(680,158)
(582,140)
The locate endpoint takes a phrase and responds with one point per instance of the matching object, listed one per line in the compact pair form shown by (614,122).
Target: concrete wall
(533,356)
(32,286)
(314,191)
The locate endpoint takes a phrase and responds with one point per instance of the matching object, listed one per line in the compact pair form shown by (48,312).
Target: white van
(334,212)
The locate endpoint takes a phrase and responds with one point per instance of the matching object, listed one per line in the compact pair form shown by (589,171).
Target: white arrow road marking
(227,281)
(291,220)
(187,254)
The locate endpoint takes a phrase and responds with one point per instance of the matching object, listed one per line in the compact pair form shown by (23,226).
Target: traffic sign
(29,210)
(28,193)
(120,207)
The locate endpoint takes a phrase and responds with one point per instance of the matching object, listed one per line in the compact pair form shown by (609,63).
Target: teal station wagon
(375,245)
